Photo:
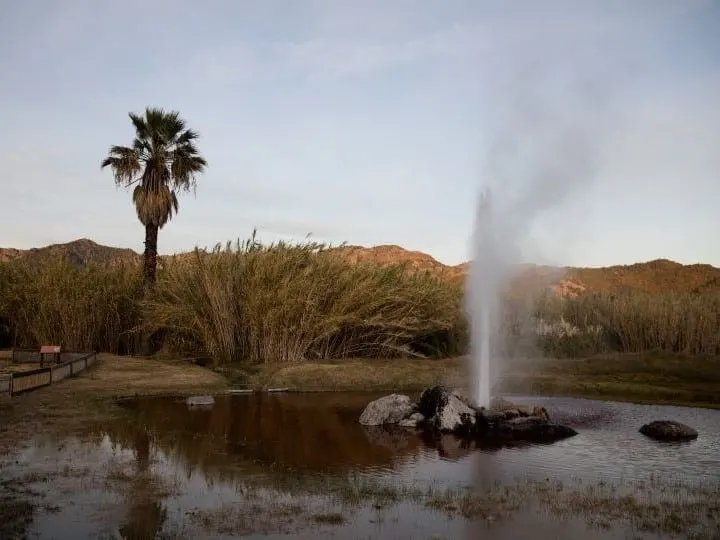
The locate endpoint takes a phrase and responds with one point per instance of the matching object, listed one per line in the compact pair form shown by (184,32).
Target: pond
(272,465)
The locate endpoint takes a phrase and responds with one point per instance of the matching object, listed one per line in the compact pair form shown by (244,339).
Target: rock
(525,410)
(200,401)
(668,430)
(523,420)
(432,401)
(387,410)
(462,396)
(414,420)
(442,411)
(540,412)
(501,404)
(447,411)
(456,417)
(533,429)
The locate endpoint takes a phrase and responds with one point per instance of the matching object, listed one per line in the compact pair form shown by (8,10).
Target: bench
(53,350)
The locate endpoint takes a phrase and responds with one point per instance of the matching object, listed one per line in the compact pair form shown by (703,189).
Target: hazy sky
(374,121)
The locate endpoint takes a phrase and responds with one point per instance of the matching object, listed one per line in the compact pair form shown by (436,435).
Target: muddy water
(299,464)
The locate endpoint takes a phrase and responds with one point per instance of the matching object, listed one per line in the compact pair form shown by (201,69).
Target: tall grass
(59,302)
(632,321)
(296,302)
(289,303)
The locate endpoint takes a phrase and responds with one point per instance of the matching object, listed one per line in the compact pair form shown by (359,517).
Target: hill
(82,252)
(660,275)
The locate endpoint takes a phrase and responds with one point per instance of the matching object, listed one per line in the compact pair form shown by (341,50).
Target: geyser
(542,148)
(488,273)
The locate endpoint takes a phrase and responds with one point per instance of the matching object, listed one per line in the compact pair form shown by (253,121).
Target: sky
(374,122)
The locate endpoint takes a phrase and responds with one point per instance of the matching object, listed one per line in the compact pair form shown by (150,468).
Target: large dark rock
(447,411)
(668,430)
(443,411)
(533,429)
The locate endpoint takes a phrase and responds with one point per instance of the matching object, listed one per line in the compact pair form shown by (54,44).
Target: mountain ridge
(659,275)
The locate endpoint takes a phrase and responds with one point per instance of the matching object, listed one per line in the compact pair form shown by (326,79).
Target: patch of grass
(651,508)
(329,519)
(644,378)
(360,374)
(16,515)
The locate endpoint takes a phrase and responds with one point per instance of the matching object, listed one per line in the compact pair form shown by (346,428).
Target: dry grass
(291,303)
(354,374)
(643,378)
(294,303)
(649,378)
(79,308)
(651,508)
(248,303)
(635,322)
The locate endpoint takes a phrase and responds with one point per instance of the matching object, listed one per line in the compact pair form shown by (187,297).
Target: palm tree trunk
(150,256)
(150,276)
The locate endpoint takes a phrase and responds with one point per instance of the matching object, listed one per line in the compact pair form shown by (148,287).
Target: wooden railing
(24,381)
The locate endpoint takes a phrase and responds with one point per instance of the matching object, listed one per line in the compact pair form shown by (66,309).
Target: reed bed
(289,303)
(81,308)
(632,322)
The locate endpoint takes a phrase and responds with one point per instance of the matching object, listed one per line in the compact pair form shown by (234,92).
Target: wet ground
(269,465)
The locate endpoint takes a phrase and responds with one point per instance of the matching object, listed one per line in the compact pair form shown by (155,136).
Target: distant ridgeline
(658,276)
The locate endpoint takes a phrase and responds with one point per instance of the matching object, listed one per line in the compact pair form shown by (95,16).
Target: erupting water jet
(487,272)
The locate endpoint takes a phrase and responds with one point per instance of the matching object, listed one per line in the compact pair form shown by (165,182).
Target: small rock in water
(200,401)
(414,420)
(387,410)
(668,430)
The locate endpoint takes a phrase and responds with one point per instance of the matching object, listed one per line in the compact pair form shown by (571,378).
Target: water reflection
(285,432)
(295,442)
(320,433)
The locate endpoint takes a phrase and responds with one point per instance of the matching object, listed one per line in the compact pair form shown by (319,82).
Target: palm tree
(162,161)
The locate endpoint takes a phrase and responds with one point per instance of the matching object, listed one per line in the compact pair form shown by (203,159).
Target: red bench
(54,350)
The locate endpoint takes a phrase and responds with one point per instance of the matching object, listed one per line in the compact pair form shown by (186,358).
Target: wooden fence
(23,381)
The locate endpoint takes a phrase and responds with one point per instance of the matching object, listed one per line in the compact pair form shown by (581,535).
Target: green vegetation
(250,304)
(162,160)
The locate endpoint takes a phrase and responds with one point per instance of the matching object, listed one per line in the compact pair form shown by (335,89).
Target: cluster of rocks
(441,410)
(450,411)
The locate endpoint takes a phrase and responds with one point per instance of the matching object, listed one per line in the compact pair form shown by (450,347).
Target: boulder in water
(448,412)
(387,410)
(668,430)
(200,401)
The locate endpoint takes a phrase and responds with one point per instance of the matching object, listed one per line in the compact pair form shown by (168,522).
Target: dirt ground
(71,404)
